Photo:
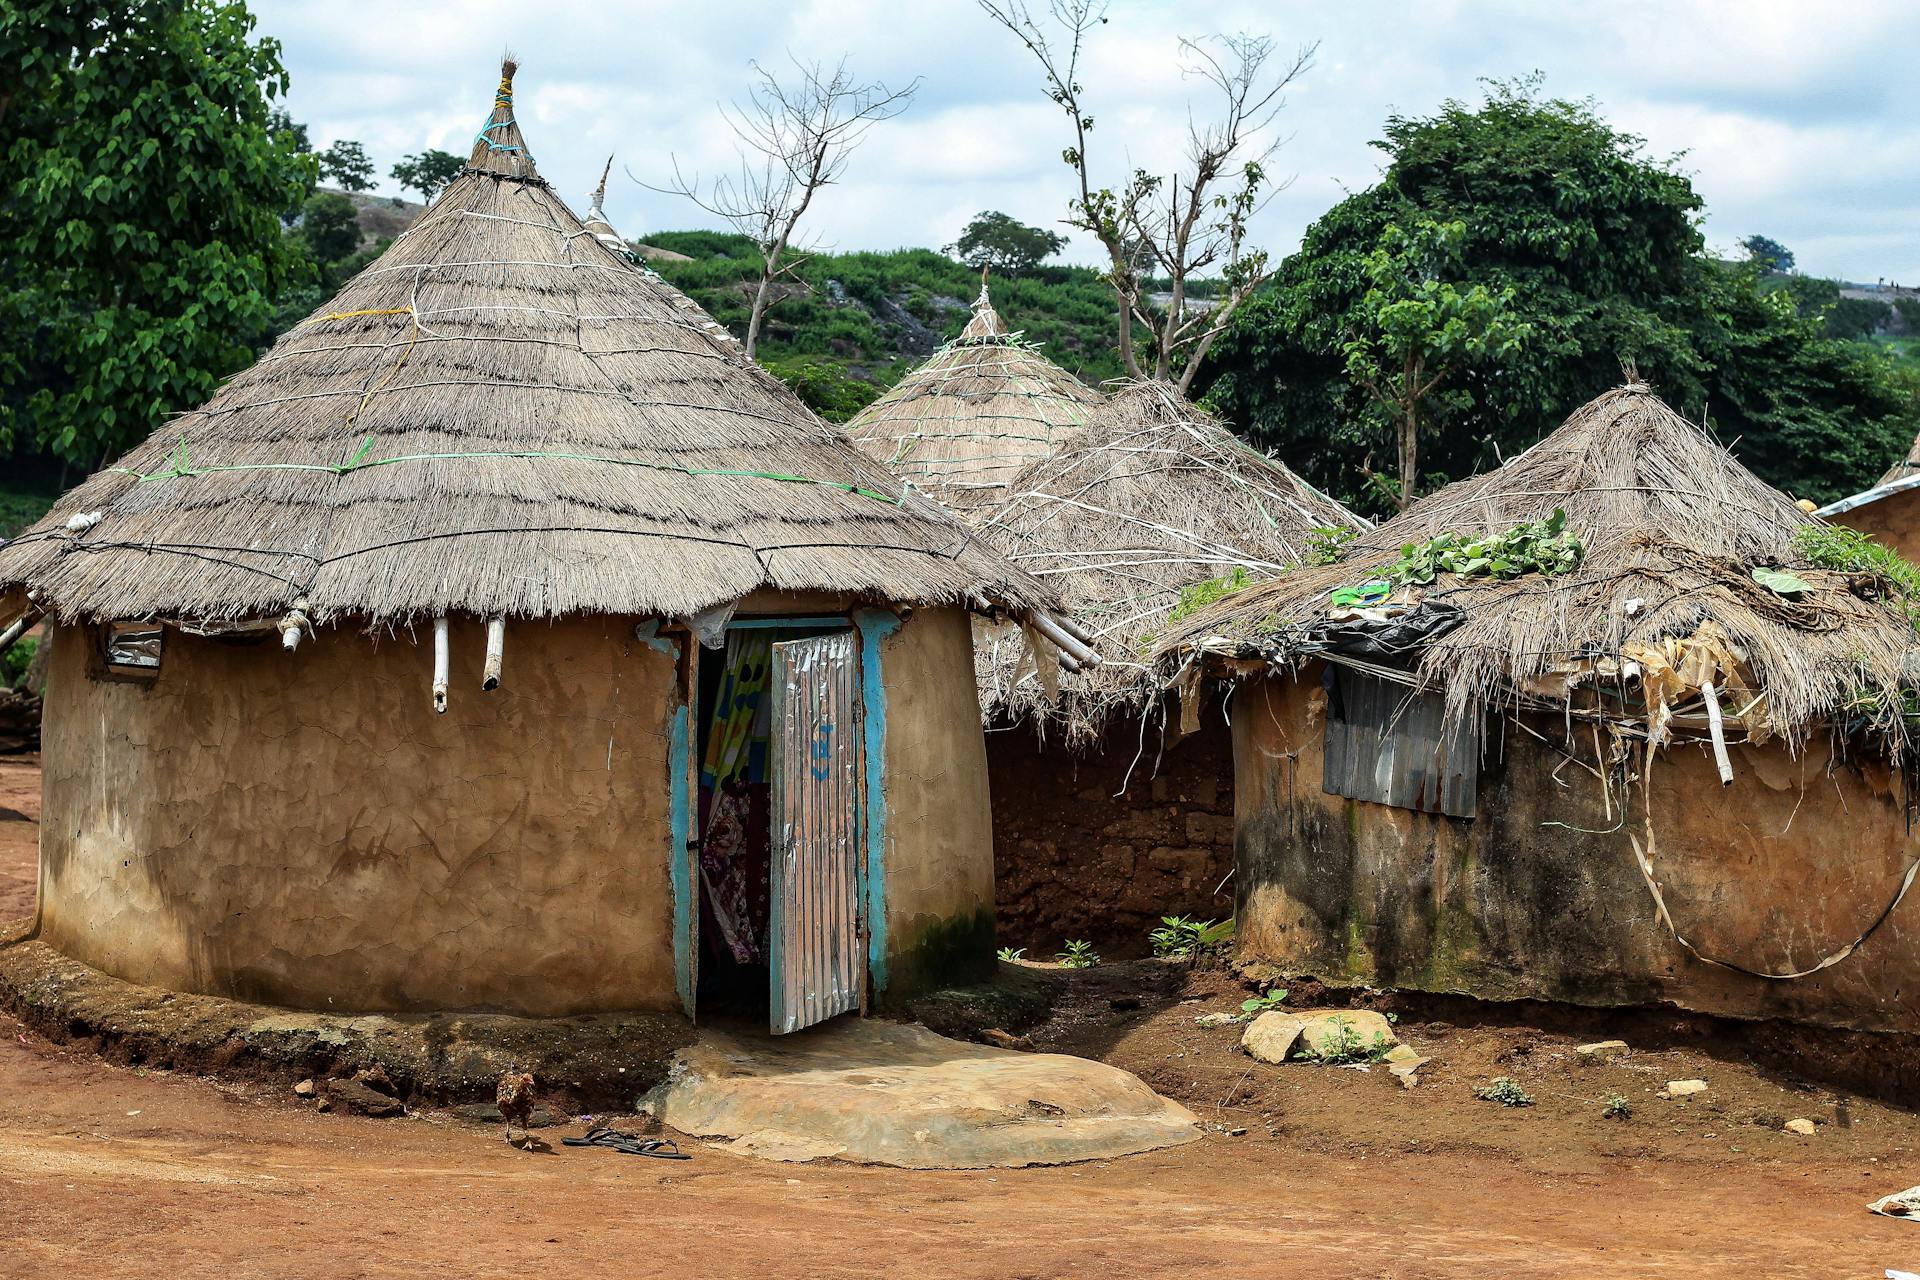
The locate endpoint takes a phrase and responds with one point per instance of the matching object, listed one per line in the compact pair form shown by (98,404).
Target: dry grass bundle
(963,424)
(1672,527)
(1154,497)
(500,416)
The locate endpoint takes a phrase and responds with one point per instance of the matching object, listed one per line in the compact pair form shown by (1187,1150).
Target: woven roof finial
(498,147)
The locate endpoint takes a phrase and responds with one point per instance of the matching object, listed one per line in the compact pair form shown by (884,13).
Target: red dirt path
(114,1172)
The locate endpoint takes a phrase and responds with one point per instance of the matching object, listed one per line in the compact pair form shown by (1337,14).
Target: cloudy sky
(1795,119)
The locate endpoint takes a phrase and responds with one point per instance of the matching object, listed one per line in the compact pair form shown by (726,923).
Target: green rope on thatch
(182,469)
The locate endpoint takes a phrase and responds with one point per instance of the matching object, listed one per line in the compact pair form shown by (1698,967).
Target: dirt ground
(111,1171)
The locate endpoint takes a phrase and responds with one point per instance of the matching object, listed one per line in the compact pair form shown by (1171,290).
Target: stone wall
(1079,852)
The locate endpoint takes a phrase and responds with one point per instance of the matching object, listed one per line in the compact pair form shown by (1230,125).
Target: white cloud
(1791,115)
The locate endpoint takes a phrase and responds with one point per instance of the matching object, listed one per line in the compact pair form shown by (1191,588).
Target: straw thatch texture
(963,424)
(1154,496)
(595,220)
(499,416)
(1672,527)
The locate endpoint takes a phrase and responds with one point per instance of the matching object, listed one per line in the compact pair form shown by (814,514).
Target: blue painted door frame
(873,626)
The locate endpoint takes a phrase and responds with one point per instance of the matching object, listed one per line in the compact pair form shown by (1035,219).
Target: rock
(304,1089)
(1403,1053)
(1685,1088)
(355,1096)
(375,1078)
(1212,1020)
(1006,1040)
(1602,1051)
(322,1105)
(1271,1036)
(1364,1027)
(1799,1126)
(543,1118)
(483,1112)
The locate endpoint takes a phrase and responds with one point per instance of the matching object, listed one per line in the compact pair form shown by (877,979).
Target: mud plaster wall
(939,854)
(1082,851)
(1788,864)
(1894,520)
(303,829)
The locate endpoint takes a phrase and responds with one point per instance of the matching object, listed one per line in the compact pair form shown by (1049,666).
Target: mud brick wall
(1073,859)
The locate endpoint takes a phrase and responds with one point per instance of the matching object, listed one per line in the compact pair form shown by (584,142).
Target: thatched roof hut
(963,424)
(499,416)
(1155,498)
(1890,511)
(1614,724)
(678,614)
(1671,529)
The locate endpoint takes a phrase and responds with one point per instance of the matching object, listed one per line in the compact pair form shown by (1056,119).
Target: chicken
(514,1096)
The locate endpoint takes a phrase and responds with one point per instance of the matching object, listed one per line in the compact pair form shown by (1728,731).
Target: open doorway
(777,849)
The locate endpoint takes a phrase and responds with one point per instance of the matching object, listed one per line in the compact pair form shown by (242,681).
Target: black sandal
(631,1144)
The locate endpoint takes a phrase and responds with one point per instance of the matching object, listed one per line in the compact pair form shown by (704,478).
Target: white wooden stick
(1715,728)
(440,665)
(20,627)
(496,641)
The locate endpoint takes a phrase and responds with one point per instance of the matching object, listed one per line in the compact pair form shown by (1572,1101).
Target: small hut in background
(1105,815)
(1890,511)
(467,650)
(1603,726)
(987,404)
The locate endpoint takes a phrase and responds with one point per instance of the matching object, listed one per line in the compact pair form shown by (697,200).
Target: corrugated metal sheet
(817,962)
(1385,744)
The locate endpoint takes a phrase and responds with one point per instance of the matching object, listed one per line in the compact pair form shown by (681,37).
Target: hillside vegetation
(854,323)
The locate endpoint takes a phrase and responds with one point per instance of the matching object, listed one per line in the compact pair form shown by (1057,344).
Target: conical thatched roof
(1152,497)
(1672,528)
(596,221)
(498,416)
(963,424)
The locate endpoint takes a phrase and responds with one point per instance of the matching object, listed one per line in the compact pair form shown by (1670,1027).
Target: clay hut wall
(304,830)
(1540,897)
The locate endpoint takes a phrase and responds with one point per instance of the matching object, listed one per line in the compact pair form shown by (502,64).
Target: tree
(1414,329)
(1601,248)
(144,184)
(1004,245)
(428,172)
(1768,254)
(793,140)
(330,226)
(348,165)
(1176,225)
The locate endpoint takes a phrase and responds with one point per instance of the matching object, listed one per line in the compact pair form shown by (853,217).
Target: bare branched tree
(1180,225)
(793,139)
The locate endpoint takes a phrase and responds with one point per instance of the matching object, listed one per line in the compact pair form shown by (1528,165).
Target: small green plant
(1344,1044)
(1209,591)
(1532,546)
(1617,1108)
(1268,1003)
(1079,954)
(1328,543)
(1506,1091)
(1182,937)
(1010,954)
(1844,550)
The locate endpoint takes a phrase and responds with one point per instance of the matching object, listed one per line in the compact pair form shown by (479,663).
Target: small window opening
(1390,744)
(132,650)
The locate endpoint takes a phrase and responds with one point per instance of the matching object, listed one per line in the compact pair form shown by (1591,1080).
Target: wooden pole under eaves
(496,642)
(440,665)
(1715,728)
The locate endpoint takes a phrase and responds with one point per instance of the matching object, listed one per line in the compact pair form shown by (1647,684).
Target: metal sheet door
(818,961)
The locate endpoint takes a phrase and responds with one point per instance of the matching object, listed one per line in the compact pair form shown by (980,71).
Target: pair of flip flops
(628,1143)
